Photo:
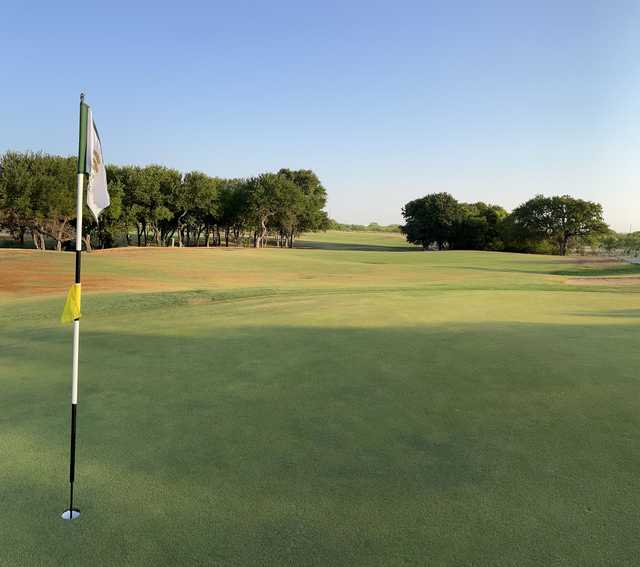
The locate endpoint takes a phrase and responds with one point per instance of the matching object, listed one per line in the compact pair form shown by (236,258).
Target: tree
(309,214)
(267,193)
(55,188)
(289,214)
(234,208)
(431,219)
(559,219)
(147,194)
(16,188)
(38,194)
(104,234)
(200,197)
(478,227)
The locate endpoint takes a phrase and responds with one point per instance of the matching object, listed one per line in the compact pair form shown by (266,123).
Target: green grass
(334,406)
(357,240)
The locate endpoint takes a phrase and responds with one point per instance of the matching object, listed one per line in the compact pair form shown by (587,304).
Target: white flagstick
(71,513)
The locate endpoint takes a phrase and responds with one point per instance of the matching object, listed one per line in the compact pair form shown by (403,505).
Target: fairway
(352,401)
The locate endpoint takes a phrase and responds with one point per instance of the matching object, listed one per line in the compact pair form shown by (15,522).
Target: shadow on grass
(315,245)
(274,444)
(621,313)
(583,270)
(614,270)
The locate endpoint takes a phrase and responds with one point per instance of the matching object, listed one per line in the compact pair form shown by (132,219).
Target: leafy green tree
(118,176)
(289,214)
(478,227)
(105,234)
(38,194)
(559,219)
(306,213)
(267,193)
(133,200)
(431,219)
(627,244)
(16,189)
(200,195)
(234,206)
(56,189)
(148,190)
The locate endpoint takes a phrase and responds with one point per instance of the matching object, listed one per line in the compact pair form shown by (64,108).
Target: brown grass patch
(20,275)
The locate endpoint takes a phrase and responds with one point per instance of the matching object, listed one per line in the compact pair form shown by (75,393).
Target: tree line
(158,205)
(541,225)
(371,227)
(622,244)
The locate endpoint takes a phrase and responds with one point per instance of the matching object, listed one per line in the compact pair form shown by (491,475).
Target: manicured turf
(324,406)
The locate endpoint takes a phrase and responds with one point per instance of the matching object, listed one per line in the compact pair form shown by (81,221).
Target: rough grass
(322,407)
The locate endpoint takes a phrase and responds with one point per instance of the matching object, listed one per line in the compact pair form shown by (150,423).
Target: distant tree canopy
(156,205)
(371,227)
(625,244)
(542,224)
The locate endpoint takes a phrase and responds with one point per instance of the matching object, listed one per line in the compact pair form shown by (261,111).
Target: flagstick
(72,513)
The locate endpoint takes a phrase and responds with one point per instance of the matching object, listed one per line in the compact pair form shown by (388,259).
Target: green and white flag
(97,194)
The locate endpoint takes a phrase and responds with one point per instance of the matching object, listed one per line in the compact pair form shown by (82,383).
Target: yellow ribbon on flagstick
(71,309)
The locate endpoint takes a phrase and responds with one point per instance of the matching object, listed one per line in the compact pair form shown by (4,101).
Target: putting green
(357,403)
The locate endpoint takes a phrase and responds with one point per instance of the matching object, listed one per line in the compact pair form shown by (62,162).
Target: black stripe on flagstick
(72,460)
(72,468)
(78,256)
(82,139)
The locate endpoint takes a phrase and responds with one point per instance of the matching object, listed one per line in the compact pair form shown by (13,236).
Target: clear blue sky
(386,101)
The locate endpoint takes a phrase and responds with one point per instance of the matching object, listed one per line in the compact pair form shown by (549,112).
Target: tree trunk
(59,236)
(563,245)
(226,236)
(87,242)
(263,235)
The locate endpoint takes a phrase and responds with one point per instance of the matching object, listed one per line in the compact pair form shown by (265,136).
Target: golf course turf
(352,401)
